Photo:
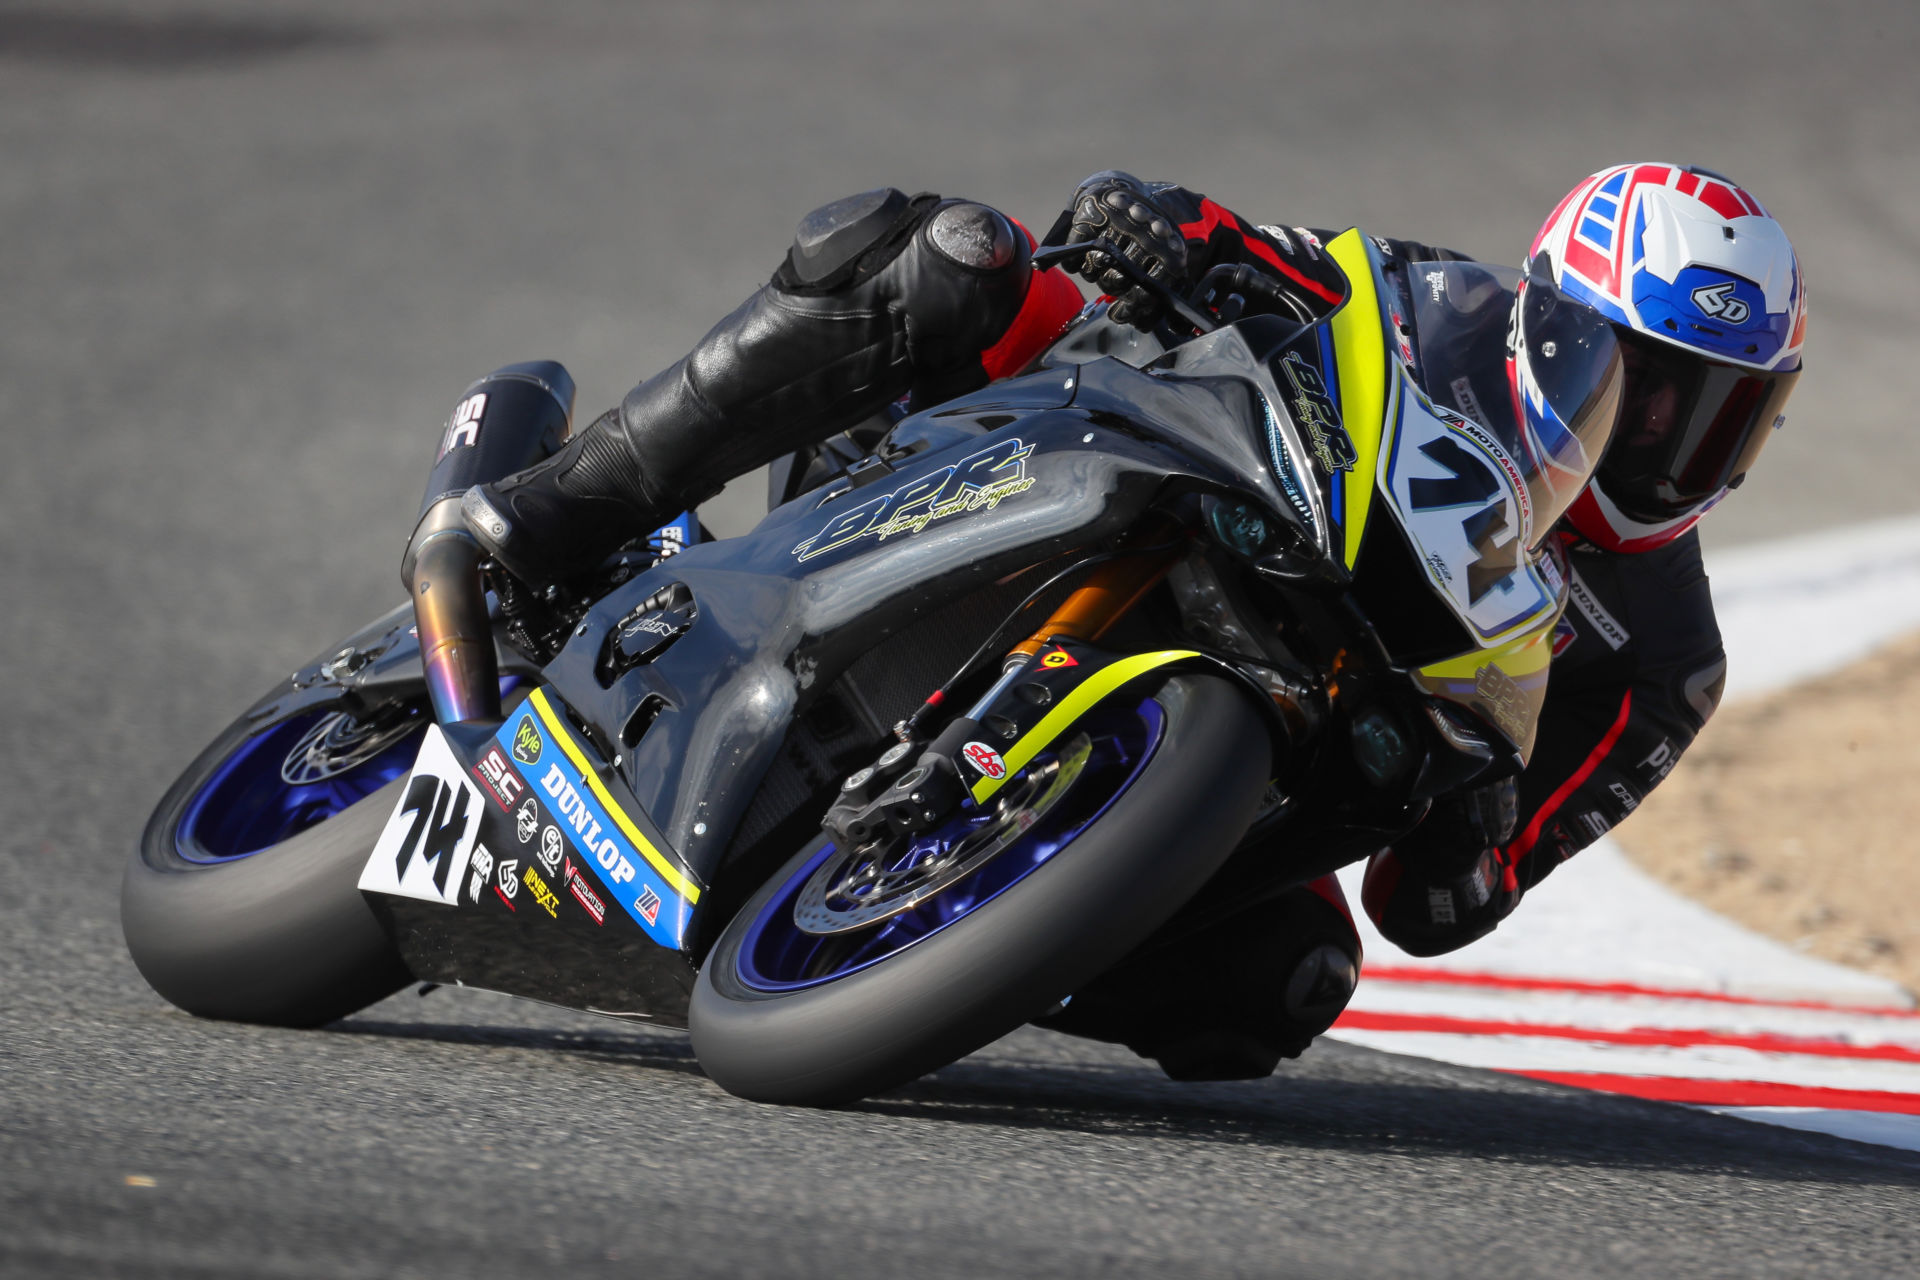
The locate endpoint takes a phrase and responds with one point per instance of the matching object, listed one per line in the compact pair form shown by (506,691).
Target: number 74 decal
(424,849)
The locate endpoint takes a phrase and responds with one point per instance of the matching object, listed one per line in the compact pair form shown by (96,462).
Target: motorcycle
(999,696)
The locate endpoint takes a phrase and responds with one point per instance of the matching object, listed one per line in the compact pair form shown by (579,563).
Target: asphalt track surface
(249,258)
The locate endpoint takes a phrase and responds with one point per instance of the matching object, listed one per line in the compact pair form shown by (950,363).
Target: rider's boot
(879,296)
(1231,1001)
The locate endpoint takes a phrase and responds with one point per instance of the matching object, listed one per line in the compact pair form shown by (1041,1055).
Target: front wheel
(849,973)
(242,900)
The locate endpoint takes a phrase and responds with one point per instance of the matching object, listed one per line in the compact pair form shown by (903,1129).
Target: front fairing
(1454,491)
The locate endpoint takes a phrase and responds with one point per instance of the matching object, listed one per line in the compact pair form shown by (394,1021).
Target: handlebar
(1223,282)
(1057,255)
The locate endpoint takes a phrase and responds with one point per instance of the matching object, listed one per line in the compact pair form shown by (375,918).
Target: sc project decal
(464,428)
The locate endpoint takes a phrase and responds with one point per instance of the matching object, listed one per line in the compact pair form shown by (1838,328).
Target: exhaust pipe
(507,421)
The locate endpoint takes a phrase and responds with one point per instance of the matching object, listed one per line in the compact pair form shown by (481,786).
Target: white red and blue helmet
(1702,287)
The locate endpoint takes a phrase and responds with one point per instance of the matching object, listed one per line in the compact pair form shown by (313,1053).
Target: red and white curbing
(1608,981)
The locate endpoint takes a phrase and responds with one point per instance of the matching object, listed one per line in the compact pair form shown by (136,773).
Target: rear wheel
(851,972)
(242,900)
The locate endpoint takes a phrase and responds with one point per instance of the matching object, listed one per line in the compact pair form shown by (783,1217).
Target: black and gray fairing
(1060,459)
(1240,421)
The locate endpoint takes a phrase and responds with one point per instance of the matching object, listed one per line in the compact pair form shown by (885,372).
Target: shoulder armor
(835,234)
(972,235)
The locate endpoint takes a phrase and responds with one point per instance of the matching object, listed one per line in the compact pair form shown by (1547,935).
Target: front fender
(1068,679)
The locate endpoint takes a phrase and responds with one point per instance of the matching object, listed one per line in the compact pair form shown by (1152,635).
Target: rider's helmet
(1702,288)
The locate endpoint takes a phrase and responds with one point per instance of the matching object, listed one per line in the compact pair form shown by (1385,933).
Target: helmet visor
(1574,367)
(1690,428)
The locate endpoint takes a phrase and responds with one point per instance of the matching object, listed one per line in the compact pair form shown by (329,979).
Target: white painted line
(1883,1128)
(1624,1013)
(1599,918)
(1776,601)
(1530,1053)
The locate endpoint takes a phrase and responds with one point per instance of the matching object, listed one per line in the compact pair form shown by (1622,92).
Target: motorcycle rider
(883,296)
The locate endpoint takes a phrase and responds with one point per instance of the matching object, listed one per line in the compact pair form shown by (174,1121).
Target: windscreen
(1463,315)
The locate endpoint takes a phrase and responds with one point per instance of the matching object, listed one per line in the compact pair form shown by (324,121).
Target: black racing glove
(1446,883)
(1118,208)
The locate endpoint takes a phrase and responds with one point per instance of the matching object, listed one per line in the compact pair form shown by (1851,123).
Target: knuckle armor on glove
(1118,208)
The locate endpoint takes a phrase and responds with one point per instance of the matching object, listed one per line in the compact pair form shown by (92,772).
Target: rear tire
(281,936)
(1015,955)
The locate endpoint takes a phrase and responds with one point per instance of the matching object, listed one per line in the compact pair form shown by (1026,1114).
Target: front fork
(901,794)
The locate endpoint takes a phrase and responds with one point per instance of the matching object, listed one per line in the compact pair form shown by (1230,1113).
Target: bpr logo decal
(1717,301)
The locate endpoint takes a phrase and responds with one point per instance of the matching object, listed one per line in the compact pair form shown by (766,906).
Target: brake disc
(859,887)
(340,744)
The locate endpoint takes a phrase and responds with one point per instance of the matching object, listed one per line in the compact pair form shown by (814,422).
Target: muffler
(504,423)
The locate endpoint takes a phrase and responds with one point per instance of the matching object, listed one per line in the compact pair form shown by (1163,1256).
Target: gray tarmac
(250,253)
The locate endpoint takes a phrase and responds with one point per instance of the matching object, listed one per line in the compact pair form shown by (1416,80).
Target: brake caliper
(888,798)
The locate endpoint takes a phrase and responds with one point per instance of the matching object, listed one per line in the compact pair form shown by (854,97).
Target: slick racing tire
(775,1017)
(242,903)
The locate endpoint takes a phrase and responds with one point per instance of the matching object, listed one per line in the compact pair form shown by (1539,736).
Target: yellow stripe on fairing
(564,738)
(1360,353)
(1071,708)
(1525,655)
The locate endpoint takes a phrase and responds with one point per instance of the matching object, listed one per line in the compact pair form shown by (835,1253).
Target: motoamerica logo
(984,479)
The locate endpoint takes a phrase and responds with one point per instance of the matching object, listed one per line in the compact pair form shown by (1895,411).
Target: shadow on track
(1338,1098)
(653,1051)
(1356,1100)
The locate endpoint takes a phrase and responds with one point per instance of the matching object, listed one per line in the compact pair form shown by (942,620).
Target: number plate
(426,845)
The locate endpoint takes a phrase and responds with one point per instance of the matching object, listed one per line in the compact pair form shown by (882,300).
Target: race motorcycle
(998,695)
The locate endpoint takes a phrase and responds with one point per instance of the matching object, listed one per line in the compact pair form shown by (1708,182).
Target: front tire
(241,901)
(1003,962)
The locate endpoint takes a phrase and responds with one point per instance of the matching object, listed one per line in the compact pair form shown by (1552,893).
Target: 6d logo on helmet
(527,743)
(1717,300)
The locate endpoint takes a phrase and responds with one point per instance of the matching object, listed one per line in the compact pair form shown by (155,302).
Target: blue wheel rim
(778,956)
(247,806)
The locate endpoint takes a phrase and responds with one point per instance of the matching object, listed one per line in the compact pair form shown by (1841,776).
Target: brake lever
(1054,255)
